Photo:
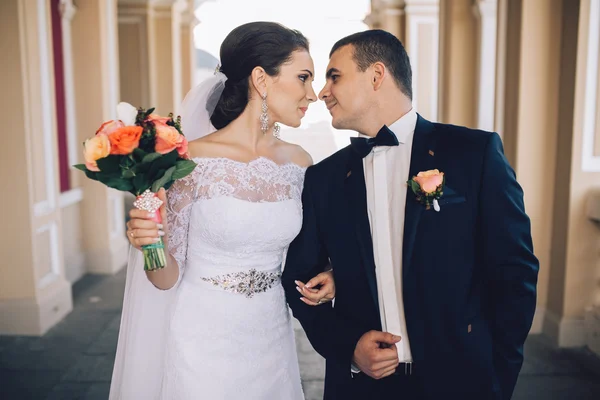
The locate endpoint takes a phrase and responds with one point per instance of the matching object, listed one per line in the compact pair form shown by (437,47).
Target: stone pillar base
(592,329)
(35,316)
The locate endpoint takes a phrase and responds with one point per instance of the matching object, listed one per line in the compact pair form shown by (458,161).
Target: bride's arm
(175,213)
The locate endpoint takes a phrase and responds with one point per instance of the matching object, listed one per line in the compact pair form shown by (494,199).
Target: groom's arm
(332,335)
(511,266)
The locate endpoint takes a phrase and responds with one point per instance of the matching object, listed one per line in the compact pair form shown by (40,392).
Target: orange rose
(169,139)
(429,180)
(125,139)
(109,127)
(94,149)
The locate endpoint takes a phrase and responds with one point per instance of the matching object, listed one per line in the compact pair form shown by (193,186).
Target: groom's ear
(379,73)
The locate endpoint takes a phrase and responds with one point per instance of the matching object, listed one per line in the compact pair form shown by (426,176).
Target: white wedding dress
(224,330)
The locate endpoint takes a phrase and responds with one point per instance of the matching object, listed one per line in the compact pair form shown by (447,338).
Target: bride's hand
(142,229)
(319,290)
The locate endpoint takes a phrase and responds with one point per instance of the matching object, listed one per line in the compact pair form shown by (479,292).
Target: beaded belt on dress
(247,283)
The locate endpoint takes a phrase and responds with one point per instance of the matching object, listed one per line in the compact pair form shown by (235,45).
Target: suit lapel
(422,159)
(356,195)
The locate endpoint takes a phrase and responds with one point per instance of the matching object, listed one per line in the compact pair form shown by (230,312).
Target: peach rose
(157,119)
(429,180)
(109,127)
(182,150)
(169,139)
(94,149)
(125,139)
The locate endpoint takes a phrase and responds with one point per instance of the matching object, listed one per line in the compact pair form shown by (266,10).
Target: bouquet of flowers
(139,153)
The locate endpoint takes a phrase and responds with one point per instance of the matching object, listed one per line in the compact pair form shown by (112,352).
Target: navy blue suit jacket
(469,272)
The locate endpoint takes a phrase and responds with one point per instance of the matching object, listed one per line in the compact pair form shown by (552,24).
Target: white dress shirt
(386,172)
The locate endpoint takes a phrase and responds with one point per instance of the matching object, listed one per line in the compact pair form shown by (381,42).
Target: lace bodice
(229,224)
(236,215)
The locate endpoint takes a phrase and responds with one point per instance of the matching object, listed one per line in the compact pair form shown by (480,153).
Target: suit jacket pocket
(452,200)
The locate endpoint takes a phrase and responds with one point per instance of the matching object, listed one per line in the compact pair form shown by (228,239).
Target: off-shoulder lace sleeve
(181,197)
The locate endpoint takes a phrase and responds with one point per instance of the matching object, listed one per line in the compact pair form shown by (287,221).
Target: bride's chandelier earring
(264,119)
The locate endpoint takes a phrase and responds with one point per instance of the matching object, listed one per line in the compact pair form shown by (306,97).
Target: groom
(432,302)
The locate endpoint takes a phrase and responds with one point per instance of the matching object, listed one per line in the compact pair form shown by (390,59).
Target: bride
(219,327)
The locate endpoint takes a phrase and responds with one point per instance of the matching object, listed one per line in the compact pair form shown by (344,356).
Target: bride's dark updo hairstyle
(256,44)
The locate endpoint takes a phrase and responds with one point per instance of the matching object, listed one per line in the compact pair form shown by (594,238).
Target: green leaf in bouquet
(184,168)
(111,163)
(138,154)
(128,174)
(127,162)
(104,176)
(151,157)
(123,185)
(91,175)
(115,181)
(163,163)
(150,111)
(140,184)
(169,184)
(80,167)
(166,178)
(157,175)
(142,168)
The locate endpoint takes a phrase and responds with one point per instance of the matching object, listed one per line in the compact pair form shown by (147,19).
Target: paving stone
(556,388)
(106,342)
(69,391)
(90,369)
(98,391)
(25,385)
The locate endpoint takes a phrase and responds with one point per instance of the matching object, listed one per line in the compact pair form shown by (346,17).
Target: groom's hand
(376,355)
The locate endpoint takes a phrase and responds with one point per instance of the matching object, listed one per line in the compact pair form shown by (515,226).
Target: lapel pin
(431,153)
(348,174)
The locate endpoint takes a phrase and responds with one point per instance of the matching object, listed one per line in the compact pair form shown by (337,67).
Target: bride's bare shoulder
(296,154)
(206,146)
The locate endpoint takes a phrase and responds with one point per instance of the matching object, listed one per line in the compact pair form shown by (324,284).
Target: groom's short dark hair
(376,45)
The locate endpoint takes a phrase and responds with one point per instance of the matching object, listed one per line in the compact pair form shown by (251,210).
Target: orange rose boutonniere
(428,187)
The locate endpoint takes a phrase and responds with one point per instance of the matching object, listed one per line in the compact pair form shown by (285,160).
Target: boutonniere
(428,187)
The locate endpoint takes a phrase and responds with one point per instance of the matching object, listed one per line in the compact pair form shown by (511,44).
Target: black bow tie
(363,146)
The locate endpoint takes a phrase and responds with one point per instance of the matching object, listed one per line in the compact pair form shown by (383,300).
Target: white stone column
(134,60)
(70,201)
(152,59)
(373,19)
(188,51)
(391,16)
(34,294)
(67,12)
(588,105)
(500,56)
(591,108)
(486,13)
(164,36)
(96,77)
(422,44)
